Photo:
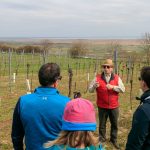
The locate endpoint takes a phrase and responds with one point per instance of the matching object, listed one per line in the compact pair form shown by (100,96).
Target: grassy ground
(9,93)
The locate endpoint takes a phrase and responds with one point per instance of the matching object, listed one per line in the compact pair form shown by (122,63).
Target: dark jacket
(139,136)
(38,118)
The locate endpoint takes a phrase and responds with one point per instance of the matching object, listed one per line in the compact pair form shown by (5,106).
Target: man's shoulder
(115,75)
(145,107)
(27,95)
(61,96)
(99,75)
(143,112)
(33,96)
(65,98)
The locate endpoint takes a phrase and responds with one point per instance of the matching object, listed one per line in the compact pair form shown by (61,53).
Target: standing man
(37,117)
(108,85)
(139,136)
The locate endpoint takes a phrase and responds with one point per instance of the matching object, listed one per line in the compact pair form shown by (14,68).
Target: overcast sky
(74,18)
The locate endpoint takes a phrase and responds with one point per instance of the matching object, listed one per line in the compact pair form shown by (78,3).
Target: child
(78,125)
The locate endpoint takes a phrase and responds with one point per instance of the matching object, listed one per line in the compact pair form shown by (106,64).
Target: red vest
(107,98)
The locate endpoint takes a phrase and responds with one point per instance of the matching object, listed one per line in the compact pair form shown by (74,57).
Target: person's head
(79,122)
(107,66)
(80,114)
(49,74)
(76,94)
(145,78)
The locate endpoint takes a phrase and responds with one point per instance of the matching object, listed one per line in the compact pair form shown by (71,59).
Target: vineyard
(18,76)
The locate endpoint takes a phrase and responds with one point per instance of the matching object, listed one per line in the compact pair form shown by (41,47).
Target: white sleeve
(120,88)
(91,86)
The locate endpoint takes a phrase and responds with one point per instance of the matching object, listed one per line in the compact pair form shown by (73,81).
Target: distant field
(97,48)
(65,42)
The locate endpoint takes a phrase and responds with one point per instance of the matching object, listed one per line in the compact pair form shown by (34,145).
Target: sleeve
(17,133)
(120,88)
(91,86)
(139,131)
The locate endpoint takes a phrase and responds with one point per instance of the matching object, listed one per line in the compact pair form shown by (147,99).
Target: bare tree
(112,47)
(78,49)
(29,49)
(45,46)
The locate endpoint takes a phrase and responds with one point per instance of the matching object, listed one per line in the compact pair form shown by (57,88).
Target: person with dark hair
(37,117)
(76,94)
(79,122)
(139,136)
(108,86)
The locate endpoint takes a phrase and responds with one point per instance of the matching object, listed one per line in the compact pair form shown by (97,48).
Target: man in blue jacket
(37,117)
(139,136)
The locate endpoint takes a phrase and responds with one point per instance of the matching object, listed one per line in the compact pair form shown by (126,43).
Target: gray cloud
(74,18)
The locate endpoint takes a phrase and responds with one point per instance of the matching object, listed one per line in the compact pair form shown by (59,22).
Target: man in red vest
(107,85)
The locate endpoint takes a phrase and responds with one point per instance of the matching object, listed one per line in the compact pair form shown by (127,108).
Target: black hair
(145,75)
(48,74)
(77,94)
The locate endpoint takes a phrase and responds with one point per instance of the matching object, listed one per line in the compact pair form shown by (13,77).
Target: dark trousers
(113,115)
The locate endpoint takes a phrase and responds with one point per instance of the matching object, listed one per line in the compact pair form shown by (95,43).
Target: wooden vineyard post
(131,85)
(115,62)
(70,81)
(9,59)
(87,84)
(27,80)
(88,79)
(128,65)
(32,69)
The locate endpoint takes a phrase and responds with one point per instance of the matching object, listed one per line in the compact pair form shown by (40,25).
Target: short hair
(145,75)
(48,74)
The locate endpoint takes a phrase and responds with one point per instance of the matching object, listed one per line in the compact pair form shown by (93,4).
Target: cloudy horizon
(70,18)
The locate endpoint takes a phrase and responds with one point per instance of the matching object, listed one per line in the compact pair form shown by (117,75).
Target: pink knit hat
(79,114)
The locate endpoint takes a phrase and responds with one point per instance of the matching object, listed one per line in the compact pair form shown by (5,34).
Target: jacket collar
(111,78)
(145,98)
(46,90)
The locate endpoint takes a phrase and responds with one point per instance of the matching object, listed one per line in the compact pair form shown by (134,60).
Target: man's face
(107,69)
(142,84)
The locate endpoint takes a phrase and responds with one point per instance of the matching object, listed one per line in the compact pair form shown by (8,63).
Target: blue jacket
(139,136)
(62,147)
(38,118)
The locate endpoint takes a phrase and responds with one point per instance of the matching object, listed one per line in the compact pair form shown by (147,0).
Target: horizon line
(67,37)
